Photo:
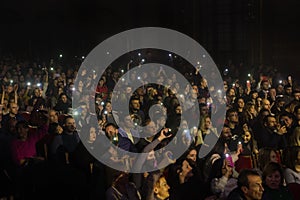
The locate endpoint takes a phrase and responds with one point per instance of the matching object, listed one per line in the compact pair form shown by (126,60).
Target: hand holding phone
(230,162)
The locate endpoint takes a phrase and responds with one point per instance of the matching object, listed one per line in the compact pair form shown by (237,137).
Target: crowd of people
(53,138)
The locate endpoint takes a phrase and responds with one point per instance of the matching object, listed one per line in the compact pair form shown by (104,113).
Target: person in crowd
(273,180)
(287,95)
(232,119)
(65,143)
(135,109)
(272,134)
(128,135)
(184,183)
(155,187)
(278,106)
(264,89)
(150,160)
(249,186)
(109,115)
(23,148)
(221,180)
(291,158)
(295,137)
(122,188)
(250,113)
(13,113)
(63,104)
(83,117)
(102,89)
(265,156)
(288,120)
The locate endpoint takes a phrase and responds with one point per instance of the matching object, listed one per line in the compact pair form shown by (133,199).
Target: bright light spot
(82,57)
(143,60)
(170,55)
(60,55)
(139,54)
(107,53)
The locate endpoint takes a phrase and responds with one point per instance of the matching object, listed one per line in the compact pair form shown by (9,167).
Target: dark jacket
(236,194)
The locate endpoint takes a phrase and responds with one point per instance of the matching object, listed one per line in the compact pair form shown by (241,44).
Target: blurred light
(122,70)
(82,57)
(28,83)
(60,55)
(51,69)
(38,84)
(249,75)
(143,60)
(139,54)
(107,52)
(11,81)
(170,55)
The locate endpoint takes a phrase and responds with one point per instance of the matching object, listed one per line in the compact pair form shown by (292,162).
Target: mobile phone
(168,133)
(282,123)
(229,159)
(248,83)
(170,155)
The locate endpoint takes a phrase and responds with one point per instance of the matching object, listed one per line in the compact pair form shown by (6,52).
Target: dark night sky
(76,26)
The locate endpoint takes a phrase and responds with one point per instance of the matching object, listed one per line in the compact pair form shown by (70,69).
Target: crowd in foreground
(52,136)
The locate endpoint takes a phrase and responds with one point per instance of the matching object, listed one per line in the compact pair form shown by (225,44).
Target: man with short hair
(124,137)
(135,109)
(249,186)
(68,140)
(13,113)
(271,135)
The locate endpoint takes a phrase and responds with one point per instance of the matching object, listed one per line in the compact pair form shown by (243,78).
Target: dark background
(248,31)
